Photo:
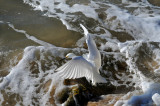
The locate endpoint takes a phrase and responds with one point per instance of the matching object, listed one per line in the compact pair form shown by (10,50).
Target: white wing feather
(94,54)
(79,67)
(85,30)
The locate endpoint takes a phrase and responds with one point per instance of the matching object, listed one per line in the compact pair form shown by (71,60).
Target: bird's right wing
(94,54)
(90,42)
(85,30)
(77,68)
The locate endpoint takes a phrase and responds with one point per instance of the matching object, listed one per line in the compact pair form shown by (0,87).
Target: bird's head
(70,55)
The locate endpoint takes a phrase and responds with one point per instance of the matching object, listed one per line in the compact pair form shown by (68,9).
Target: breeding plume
(83,67)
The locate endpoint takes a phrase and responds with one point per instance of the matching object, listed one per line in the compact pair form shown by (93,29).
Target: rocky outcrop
(80,91)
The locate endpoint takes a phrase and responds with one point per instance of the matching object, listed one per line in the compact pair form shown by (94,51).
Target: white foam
(148,86)
(67,25)
(140,27)
(157,71)
(156,99)
(110,45)
(1,99)
(19,68)
(1,22)
(49,5)
(138,3)
(146,98)
(22,81)
(141,24)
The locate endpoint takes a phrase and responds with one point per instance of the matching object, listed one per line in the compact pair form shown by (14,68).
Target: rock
(113,99)
(147,58)
(121,36)
(62,96)
(114,69)
(72,2)
(96,90)
(46,88)
(77,92)
(154,2)
(83,91)
(102,15)
(108,100)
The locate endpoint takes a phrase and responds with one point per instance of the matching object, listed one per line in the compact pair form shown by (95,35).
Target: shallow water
(34,23)
(36,34)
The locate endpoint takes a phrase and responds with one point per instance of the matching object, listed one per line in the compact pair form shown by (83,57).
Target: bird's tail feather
(97,78)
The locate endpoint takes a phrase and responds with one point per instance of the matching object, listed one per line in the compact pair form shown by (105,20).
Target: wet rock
(77,92)
(62,96)
(147,59)
(108,100)
(114,99)
(154,2)
(114,69)
(51,99)
(121,36)
(79,96)
(72,2)
(102,15)
(85,91)
(10,98)
(94,90)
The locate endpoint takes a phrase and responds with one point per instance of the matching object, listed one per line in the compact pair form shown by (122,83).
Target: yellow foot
(75,91)
(83,87)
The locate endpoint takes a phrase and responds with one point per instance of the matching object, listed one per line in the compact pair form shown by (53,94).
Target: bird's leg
(75,91)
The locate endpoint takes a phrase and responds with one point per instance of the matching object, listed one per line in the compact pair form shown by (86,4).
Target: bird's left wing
(80,67)
(76,68)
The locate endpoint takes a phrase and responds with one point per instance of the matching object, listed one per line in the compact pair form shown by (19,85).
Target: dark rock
(121,36)
(62,96)
(102,15)
(154,2)
(85,91)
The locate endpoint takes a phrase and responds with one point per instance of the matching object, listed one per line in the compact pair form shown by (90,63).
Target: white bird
(83,67)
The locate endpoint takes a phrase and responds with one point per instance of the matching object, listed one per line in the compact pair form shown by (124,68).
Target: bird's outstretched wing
(94,54)
(77,68)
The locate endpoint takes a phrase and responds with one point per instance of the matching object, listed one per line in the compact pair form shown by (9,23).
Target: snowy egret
(83,67)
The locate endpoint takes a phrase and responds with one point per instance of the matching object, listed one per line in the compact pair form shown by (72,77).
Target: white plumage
(83,67)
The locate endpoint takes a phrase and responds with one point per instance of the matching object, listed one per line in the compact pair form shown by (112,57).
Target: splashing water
(36,34)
